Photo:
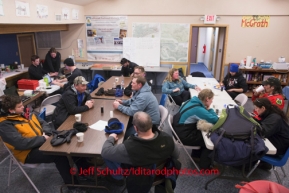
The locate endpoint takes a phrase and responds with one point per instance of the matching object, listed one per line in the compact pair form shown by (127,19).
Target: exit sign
(210,19)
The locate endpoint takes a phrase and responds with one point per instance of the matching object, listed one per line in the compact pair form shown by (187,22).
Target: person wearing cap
(234,82)
(127,67)
(76,99)
(68,81)
(52,61)
(273,91)
(138,71)
(147,147)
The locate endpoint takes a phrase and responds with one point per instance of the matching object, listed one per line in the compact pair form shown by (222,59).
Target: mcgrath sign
(255,21)
(210,19)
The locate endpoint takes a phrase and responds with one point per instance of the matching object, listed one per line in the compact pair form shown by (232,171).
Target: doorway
(27,48)
(208,45)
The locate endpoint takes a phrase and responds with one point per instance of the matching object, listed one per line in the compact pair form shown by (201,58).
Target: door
(27,48)
(194,48)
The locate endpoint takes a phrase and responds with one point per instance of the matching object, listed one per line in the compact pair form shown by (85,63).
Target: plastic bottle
(122,84)
(46,80)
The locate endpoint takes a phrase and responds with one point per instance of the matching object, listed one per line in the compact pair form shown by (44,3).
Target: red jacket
(276,99)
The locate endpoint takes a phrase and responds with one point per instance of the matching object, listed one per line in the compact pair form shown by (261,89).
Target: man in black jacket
(144,149)
(74,100)
(138,71)
(36,71)
(127,67)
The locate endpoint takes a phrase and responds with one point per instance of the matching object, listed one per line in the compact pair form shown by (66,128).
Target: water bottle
(46,80)
(122,84)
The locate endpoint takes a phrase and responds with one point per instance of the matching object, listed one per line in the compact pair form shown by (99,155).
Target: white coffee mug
(80,136)
(77,117)
(111,114)
(22,66)
(260,88)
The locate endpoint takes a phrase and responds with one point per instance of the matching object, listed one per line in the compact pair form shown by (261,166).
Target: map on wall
(174,39)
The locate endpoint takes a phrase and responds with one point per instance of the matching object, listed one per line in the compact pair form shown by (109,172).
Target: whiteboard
(142,51)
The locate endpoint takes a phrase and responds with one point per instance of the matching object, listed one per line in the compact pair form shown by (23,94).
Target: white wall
(54,7)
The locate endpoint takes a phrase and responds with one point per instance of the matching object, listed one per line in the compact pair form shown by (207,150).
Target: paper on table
(99,125)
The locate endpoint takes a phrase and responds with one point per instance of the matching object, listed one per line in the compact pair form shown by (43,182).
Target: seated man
(138,71)
(36,71)
(24,137)
(142,100)
(74,100)
(234,82)
(75,72)
(145,148)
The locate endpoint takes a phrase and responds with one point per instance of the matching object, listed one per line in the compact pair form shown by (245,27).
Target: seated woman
(198,108)
(274,123)
(234,82)
(24,136)
(175,86)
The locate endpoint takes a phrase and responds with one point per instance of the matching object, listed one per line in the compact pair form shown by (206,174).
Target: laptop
(13,91)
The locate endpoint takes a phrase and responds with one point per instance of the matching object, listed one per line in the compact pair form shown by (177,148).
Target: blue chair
(42,114)
(279,161)
(163,100)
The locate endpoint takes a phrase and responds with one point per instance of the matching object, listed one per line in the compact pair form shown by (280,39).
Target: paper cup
(80,136)
(260,88)
(77,117)
(116,79)
(22,66)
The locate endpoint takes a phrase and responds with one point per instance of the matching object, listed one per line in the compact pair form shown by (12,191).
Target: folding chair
(19,164)
(164,114)
(172,107)
(47,103)
(241,98)
(179,142)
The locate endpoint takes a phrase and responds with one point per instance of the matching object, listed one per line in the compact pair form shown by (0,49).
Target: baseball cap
(79,80)
(234,68)
(272,81)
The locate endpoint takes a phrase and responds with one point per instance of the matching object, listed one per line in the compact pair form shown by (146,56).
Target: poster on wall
(65,13)
(1,8)
(42,11)
(104,37)
(74,14)
(174,39)
(255,21)
(22,8)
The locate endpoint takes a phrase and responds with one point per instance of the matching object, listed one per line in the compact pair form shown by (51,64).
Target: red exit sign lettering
(210,19)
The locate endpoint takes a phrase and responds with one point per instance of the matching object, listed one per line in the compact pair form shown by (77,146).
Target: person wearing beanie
(234,82)
(52,61)
(68,81)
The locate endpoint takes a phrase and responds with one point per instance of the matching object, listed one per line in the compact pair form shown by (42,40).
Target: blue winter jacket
(198,112)
(142,100)
(168,87)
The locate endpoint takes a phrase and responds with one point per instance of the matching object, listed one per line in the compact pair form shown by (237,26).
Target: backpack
(188,133)
(236,138)
(92,85)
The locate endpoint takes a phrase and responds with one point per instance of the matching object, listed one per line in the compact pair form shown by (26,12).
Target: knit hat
(68,62)
(114,126)
(234,68)
(80,127)
(79,80)
(272,81)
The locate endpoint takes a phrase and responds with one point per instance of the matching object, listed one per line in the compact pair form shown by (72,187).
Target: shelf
(262,70)
(260,82)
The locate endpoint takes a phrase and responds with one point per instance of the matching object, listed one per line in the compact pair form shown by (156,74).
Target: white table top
(221,99)
(147,68)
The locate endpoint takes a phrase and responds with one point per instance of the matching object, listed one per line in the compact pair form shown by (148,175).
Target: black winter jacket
(68,105)
(127,71)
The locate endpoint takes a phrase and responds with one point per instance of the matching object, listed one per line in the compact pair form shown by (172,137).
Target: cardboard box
(28,84)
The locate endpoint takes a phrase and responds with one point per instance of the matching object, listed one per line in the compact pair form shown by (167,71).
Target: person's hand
(176,90)
(197,88)
(115,104)
(114,136)
(45,136)
(119,101)
(132,74)
(221,84)
(89,104)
